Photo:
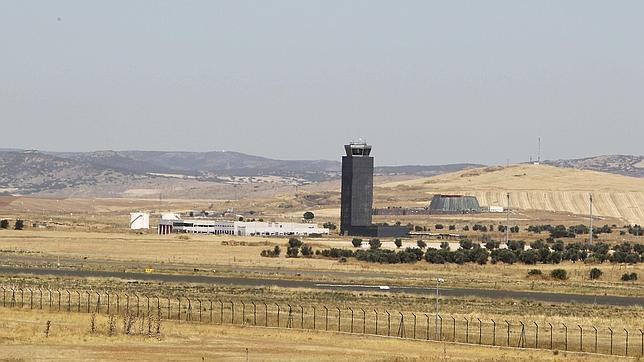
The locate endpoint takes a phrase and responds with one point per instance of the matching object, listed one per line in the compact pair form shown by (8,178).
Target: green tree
(560,274)
(329,225)
(4,224)
(19,225)
(375,244)
(309,215)
(294,243)
(356,242)
(466,244)
(595,273)
(421,244)
(438,226)
(398,243)
(307,250)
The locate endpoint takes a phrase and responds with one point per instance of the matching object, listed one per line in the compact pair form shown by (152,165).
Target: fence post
(493,332)
(289,320)
(595,339)
(550,334)
(179,307)
(108,301)
(89,299)
(31,298)
(118,299)
(39,289)
(127,305)
(137,304)
(611,340)
(158,305)
(232,310)
(147,299)
(314,317)
(440,318)
(641,343)
(388,323)
(301,317)
(326,318)
(364,321)
(401,326)
(522,336)
(581,338)
(375,311)
(508,323)
(566,336)
(98,303)
(414,325)
(210,312)
(351,309)
(169,308)
(453,329)
(338,318)
(480,330)
(69,300)
(189,310)
(467,330)
(265,314)
(22,298)
(4,296)
(198,300)
(254,313)
(536,335)
(221,311)
(243,312)
(626,341)
(427,330)
(278,315)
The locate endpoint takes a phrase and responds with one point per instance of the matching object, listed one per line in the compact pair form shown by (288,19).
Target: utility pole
(507,224)
(438,280)
(591,218)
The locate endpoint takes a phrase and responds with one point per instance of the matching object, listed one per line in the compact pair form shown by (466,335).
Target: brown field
(535,187)
(22,337)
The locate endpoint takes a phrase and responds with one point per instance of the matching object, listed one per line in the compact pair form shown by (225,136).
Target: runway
(289,283)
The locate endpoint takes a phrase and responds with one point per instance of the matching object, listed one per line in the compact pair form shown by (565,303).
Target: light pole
(507,224)
(591,218)
(438,280)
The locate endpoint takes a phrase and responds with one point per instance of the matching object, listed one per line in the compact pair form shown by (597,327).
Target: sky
(424,82)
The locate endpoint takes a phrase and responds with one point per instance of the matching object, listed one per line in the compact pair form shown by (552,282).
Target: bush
(294,243)
(503,255)
(307,250)
(375,244)
(466,228)
(628,277)
(398,243)
(329,225)
(292,252)
(19,225)
(444,245)
(308,215)
(421,244)
(560,274)
(595,273)
(357,242)
(452,227)
(4,224)
(466,244)
(271,253)
(438,226)
(535,272)
(491,244)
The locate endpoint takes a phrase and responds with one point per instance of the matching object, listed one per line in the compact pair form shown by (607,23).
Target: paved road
(286,283)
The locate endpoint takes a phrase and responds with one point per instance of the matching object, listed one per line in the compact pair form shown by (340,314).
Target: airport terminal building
(168,225)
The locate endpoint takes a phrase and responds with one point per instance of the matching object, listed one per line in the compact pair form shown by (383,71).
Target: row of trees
(471,252)
(18,225)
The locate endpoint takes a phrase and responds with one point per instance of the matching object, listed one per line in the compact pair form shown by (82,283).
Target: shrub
(514,229)
(271,253)
(294,243)
(308,215)
(491,244)
(357,242)
(439,226)
(421,244)
(375,244)
(627,277)
(535,272)
(466,228)
(452,227)
(306,250)
(503,255)
(329,225)
(19,225)
(4,224)
(560,274)
(595,273)
(398,243)
(466,244)
(444,245)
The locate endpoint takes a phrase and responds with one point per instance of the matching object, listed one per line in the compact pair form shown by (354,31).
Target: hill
(620,164)
(539,187)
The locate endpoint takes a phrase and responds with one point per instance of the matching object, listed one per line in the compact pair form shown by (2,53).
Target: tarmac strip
(286,283)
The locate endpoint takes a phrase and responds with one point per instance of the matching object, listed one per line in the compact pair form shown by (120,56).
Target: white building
(139,220)
(496,208)
(239,228)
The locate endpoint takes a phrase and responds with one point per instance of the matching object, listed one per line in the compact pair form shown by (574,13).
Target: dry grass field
(537,187)
(22,336)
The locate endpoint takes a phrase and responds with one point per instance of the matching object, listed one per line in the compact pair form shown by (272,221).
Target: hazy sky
(425,82)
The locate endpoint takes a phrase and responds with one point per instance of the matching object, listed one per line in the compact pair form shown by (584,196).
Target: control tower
(357,187)
(356,200)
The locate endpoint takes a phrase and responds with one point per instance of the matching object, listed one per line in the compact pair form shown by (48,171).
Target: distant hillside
(31,171)
(34,171)
(620,164)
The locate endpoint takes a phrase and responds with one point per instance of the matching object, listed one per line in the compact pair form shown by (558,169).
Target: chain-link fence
(357,320)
